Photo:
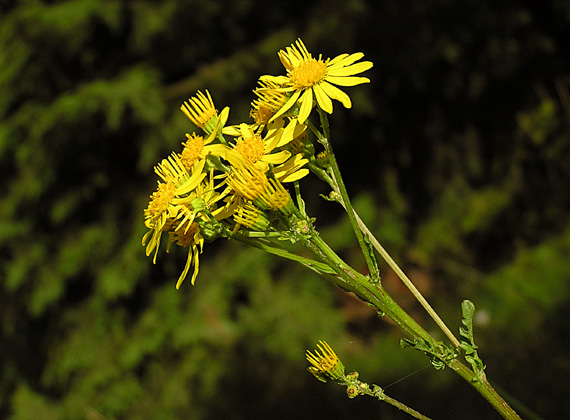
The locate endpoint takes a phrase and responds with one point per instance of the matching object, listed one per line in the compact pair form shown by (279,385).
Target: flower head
(246,179)
(188,235)
(262,150)
(325,365)
(167,201)
(276,197)
(251,217)
(196,147)
(269,100)
(201,111)
(311,78)
(185,230)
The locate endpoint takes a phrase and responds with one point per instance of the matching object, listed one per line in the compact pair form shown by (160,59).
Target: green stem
(371,292)
(485,389)
(375,294)
(337,178)
(407,282)
(404,408)
(317,266)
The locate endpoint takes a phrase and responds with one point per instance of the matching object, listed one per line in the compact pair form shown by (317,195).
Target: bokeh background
(457,154)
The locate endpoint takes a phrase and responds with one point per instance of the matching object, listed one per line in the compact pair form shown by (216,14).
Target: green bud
(352,391)
(353,376)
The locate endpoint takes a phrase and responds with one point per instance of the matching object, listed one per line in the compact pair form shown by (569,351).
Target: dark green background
(457,155)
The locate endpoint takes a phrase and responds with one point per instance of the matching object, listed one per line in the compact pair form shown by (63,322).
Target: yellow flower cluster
(230,178)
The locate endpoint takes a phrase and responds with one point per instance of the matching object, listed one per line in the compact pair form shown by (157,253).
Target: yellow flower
(185,229)
(276,197)
(325,365)
(246,179)
(167,201)
(188,235)
(252,147)
(202,112)
(260,151)
(309,78)
(196,147)
(251,217)
(270,100)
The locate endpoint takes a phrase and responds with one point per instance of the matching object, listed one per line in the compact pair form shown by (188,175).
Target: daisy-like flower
(247,180)
(200,205)
(276,197)
(251,217)
(261,150)
(201,111)
(196,147)
(325,365)
(167,201)
(269,100)
(188,235)
(309,78)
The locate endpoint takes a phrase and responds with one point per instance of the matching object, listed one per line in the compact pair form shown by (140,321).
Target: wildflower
(246,179)
(202,112)
(196,147)
(251,217)
(276,197)
(187,234)
(326,365)
(261,151)
(167,201)
(270,100)
(185,229)
(309,78)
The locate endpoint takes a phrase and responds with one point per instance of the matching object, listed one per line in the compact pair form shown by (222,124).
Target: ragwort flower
(261,152)
(200,206)
(201,111)
(309,78)
(167,201)
(325,365)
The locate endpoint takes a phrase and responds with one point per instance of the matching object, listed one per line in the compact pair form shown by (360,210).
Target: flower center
(160,200)
(308,73)
(184,234)
(261,114)
(250,147)
(192,149)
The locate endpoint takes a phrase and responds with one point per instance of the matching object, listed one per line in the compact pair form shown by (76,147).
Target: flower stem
(345,200)
(485,389)
(404,408)
(407,282)
(375,294)
(371,292)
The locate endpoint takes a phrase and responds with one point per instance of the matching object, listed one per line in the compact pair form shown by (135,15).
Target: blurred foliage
(458,152)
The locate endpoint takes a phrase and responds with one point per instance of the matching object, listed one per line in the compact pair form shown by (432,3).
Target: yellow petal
(322,99)
(347,81)
(292,131)
(337,94)
(292,100)
(295,176)
(216,150)
(344,60)
(337,59)
(280,80)
(350,70)
(231,130)
(306,105)
(276,158)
